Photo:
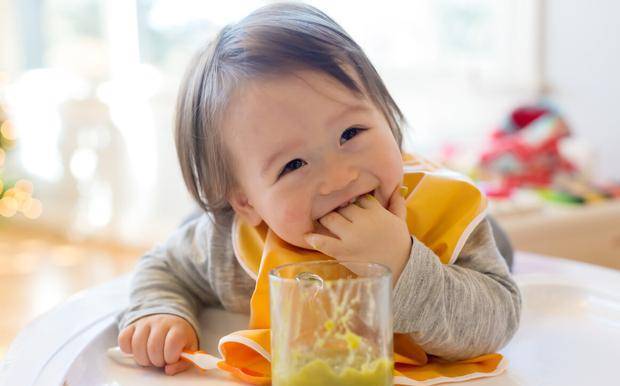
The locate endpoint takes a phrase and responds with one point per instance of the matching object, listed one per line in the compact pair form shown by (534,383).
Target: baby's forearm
(168,279)
(155,290)
(458,311)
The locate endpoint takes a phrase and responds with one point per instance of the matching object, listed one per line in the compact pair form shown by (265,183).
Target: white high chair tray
(569,335)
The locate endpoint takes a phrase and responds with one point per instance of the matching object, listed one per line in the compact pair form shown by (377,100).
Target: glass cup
(331,324)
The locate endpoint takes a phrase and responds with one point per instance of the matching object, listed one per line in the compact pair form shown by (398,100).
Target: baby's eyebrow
(350,109)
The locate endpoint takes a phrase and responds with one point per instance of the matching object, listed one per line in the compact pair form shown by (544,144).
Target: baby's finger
(124,338)
(328,245)
(177,367)
(335,223)
(175,342)
(138,345)
(351,212)
(397,205)
(155,346)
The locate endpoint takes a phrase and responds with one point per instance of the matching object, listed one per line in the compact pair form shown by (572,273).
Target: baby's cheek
(292,215)
(393,166)
(291,224)
(299,215)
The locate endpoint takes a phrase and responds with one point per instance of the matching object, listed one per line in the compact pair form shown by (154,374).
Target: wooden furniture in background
(588,233)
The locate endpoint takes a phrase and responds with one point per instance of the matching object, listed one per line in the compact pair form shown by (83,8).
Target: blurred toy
(524,151)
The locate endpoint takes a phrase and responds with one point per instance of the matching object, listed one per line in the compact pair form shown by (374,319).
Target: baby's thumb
(177,367)
(397,205)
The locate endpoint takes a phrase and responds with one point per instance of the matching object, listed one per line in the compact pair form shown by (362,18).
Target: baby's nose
(338,178)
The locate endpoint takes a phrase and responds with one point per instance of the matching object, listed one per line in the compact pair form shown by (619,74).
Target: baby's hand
(158,340)
(367,232)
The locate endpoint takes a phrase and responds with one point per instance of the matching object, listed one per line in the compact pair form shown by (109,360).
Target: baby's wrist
(401,261)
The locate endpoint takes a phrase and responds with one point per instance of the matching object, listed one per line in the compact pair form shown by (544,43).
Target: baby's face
(303,146)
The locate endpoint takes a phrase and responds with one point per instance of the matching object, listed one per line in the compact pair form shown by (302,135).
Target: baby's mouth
(351,201)
(320,229)
(354,199)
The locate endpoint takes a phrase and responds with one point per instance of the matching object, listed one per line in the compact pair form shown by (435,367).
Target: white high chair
(569,335)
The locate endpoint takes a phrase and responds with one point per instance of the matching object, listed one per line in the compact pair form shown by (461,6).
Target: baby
(282,119)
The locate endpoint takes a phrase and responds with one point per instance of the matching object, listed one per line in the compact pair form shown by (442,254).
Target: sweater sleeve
(172,277)
(462,310)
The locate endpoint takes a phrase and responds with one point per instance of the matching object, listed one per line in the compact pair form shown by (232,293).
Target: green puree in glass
(319,373)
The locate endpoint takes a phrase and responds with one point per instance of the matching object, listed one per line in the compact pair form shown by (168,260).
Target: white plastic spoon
(200,359)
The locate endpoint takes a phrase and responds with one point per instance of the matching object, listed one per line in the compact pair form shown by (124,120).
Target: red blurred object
(523,116)
(524,150)
(498,192)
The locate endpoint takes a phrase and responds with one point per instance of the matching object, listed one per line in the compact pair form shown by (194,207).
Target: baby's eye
(349,133)
(292,165)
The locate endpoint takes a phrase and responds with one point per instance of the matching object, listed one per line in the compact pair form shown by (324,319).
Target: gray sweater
(456,311)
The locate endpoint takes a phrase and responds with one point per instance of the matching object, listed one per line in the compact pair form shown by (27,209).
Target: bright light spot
(2,157)
(8,206)
(8,130)
(25,186)
(18,195)
(83,163)
(34,100)
(34,210)
(25,206)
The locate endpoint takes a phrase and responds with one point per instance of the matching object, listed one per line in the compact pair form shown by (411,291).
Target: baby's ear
(239,202)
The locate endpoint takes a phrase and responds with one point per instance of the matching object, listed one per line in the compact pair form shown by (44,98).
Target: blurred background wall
(581,62)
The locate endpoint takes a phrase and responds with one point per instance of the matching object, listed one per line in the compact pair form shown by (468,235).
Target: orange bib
(443,208)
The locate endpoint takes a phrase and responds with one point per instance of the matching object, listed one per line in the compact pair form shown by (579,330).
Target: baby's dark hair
(275,39)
